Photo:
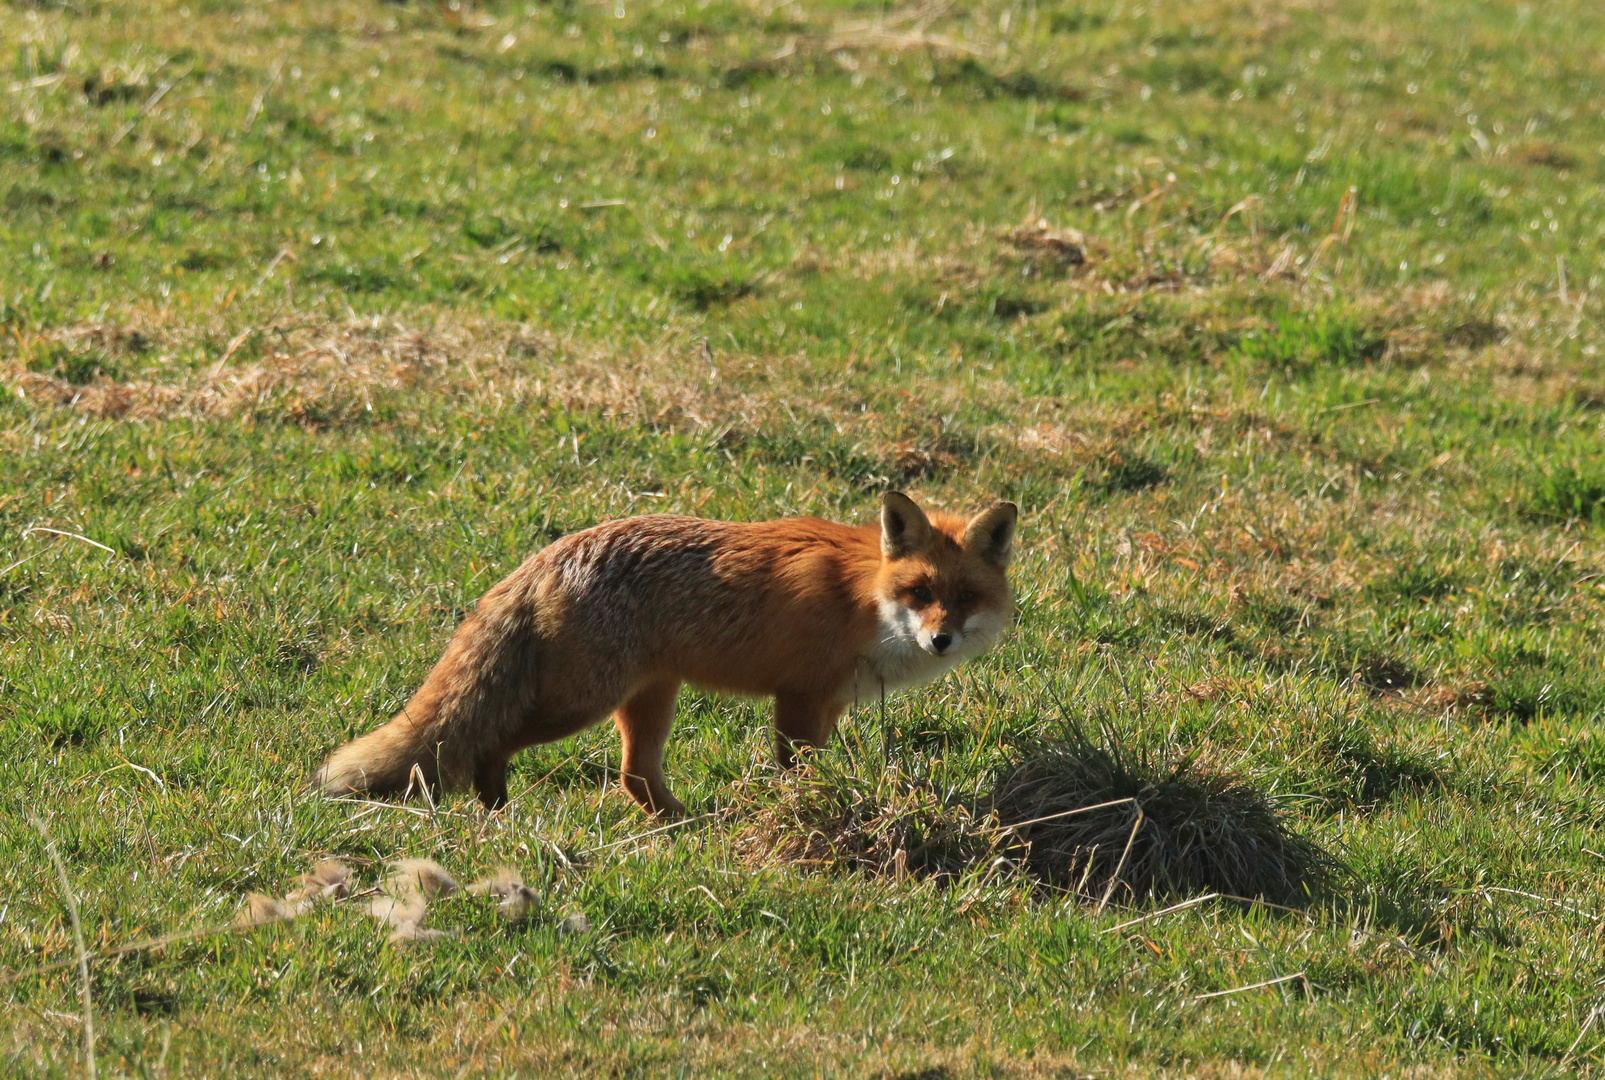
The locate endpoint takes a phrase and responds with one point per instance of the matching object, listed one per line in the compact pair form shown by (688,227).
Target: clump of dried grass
(819,817)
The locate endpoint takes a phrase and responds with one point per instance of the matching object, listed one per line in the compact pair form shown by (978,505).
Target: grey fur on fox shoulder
(615,618)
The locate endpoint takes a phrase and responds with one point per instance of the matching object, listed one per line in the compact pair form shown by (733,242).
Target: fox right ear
(905,530)
(991,533)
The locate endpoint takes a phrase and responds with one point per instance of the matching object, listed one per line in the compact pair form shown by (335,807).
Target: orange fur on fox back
(613,619)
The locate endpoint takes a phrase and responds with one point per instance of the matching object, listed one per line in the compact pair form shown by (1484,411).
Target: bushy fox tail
(385,761)
(461,725)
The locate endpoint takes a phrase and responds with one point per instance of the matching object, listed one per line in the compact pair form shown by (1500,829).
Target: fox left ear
(991,532)
(905,530)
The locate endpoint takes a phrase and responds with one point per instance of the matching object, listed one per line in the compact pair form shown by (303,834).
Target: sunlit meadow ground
(315,318)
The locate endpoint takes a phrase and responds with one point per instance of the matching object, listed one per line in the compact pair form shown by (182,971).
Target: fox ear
(991,533)
(905,530)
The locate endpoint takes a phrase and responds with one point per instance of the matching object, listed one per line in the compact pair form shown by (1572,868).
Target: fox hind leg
(643,722)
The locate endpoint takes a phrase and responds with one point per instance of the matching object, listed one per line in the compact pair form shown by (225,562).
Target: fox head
(941,591)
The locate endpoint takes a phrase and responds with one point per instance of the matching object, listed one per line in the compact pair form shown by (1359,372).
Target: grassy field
(316,318)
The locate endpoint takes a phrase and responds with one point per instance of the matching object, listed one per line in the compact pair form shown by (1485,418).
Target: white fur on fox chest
(896,659)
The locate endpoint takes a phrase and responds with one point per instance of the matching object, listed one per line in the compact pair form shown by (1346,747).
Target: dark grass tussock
(1092,820)
(1073,808)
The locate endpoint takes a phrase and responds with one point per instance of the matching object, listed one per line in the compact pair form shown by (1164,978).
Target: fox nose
(941,641)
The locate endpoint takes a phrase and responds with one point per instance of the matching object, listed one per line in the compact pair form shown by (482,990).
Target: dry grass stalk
(78,945)
(1251,986)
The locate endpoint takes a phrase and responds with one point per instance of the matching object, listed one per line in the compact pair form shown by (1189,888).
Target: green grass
(315,319)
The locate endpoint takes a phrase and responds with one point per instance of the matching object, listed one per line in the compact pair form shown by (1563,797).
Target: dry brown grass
(328,374)
(339,374)
(819,819)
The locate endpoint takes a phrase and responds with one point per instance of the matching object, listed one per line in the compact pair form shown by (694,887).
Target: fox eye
(921,593)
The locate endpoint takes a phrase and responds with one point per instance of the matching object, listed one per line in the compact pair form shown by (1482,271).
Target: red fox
(613,619)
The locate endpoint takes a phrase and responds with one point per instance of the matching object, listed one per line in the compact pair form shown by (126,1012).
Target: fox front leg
(802,721)
(490,782)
